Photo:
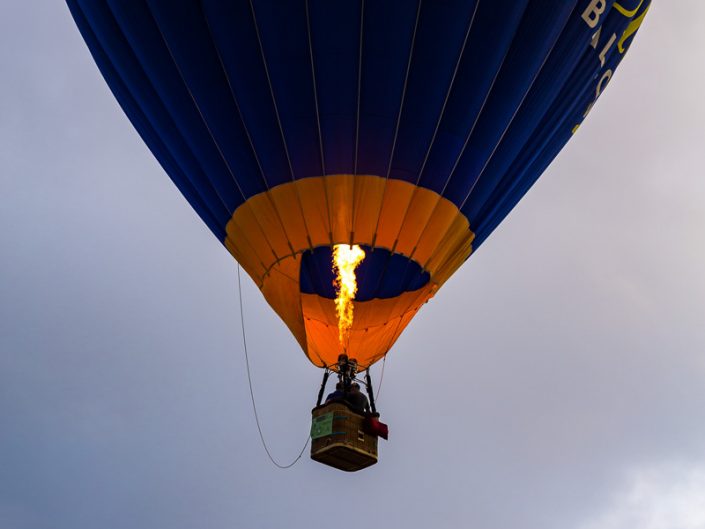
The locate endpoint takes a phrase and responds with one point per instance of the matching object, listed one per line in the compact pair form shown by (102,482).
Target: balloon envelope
(409,128)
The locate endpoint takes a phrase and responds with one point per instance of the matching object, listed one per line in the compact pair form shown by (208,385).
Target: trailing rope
(252,394)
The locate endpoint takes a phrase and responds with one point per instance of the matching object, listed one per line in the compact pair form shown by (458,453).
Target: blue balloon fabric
(409,127)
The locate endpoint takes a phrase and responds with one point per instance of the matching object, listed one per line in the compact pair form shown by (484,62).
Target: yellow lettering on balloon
(625,12)
(596,38)
(600,87)
(592,13)
(606,49)
(632,28)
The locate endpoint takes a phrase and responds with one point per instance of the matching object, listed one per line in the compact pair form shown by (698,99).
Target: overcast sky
(557,381)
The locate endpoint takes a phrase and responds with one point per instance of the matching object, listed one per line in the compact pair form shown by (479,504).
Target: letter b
(592,13)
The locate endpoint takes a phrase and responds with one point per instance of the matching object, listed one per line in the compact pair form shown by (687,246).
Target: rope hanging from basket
(252,394)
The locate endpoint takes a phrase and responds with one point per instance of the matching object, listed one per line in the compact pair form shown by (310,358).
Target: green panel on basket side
(322,426)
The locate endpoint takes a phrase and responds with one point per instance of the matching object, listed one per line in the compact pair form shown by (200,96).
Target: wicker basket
(338,438)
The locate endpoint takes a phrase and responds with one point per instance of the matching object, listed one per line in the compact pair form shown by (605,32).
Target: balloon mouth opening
(382,274)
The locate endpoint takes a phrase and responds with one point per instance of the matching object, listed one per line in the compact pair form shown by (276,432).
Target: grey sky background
(557,381)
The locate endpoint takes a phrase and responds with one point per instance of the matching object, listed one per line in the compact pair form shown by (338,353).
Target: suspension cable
(381,376)
(252,394)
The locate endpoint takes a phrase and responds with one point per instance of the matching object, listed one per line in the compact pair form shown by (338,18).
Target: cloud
(659,497)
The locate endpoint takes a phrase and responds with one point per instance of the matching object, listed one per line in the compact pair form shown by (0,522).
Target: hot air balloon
(406,128)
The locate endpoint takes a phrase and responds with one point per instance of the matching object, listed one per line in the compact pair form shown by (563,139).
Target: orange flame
(346,259)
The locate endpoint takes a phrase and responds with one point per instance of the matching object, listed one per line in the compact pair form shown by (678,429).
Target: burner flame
(346,259)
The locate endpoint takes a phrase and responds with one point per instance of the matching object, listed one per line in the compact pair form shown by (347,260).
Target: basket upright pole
(326,374)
